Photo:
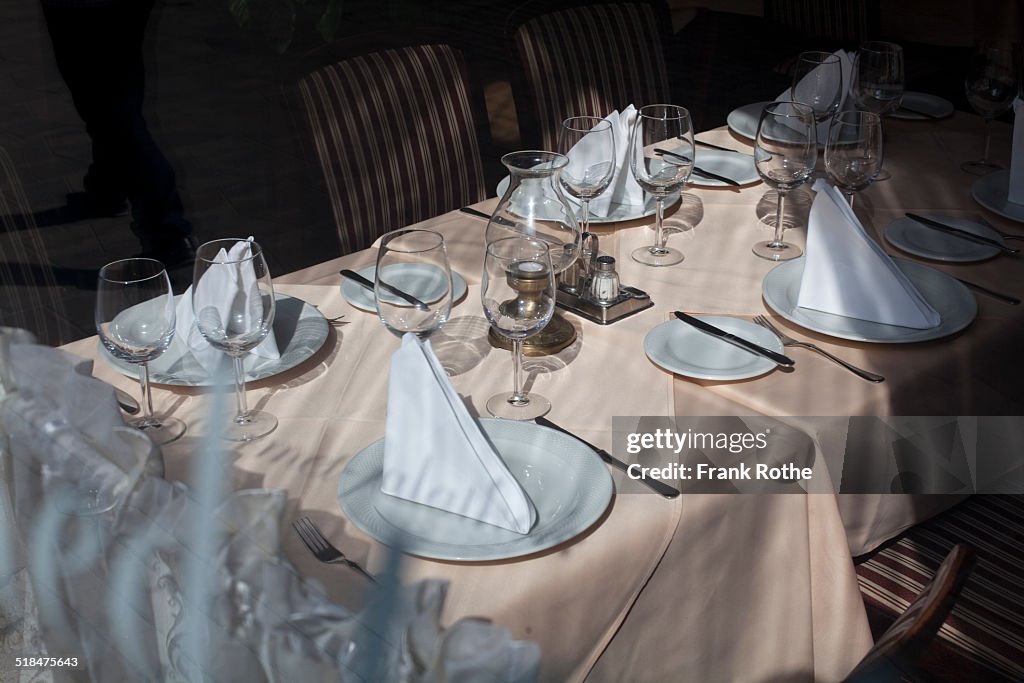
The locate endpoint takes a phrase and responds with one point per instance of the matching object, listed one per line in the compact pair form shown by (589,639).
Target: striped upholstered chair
(584,59)
(396,134)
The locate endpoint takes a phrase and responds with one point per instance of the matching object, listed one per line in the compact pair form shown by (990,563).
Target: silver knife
(957,232)
(363,282)
(475,212)
(776,358)
(697,169)
(655,485)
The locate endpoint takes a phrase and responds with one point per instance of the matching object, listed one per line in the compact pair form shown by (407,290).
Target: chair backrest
(893,655)
(396,135)
(584,60)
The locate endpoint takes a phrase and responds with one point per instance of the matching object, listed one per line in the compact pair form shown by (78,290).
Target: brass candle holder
(529,280)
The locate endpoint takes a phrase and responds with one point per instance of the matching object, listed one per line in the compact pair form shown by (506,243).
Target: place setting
(1002,190)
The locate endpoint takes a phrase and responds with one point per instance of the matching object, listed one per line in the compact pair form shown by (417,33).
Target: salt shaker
(604,283)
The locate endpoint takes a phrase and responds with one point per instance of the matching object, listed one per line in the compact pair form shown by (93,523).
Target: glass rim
(490,249)
(680,112)
(580,129)
(254,250)
(387,237)
(104,275)
(826,57)
(770,108)
(534,162)
(879,46)
(840,116)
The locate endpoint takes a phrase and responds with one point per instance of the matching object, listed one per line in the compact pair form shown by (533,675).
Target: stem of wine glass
(586,214)
(148,420)
(243,408)
(518,397)
(988,140)
(777,241)
(659,217)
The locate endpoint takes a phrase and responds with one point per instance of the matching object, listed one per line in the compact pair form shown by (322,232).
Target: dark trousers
(99,55)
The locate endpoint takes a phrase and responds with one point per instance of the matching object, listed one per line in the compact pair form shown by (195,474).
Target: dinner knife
(363,282)
(655,485)
(474,212)
(957,232)
(718,147)
(697,169)
(918,112)
(776,358)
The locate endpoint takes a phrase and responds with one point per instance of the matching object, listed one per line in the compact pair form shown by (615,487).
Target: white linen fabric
(820,78)
(225,294)
(435,452)
(623,188)
(1016,189)
(848,274)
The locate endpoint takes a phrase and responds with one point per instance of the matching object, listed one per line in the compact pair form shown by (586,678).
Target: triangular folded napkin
(623,188)
(435,452)
(1016,190)
(819,77)
(227,291)
(847,273)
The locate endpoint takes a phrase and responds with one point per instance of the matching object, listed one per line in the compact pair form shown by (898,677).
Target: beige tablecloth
(706,587)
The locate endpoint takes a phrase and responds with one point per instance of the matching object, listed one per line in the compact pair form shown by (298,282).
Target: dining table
(707,586)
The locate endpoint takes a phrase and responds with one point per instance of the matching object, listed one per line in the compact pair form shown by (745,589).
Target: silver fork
(322,549)
(789,341)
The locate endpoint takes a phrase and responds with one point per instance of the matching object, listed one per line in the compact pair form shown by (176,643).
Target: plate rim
(714,320)
(731,126)
(914,117)
(696,181)
(456,277)
(520,546)
(944,258)
(986,180)
(914,337)
(306,306)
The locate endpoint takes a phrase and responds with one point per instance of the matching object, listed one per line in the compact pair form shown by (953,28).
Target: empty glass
(878,80)
(589,144)
(818,83)
(233,300)
(661,154)
(991,85)
(517,289)
(135,320)
(785,152)
(853,151)
(413,282)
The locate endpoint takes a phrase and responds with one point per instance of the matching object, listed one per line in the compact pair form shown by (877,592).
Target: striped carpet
(983,638)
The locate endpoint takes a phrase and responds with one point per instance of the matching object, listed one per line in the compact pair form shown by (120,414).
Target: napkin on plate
(224,293)
(623,188)
(848,274)
(817,78)
(435,452)
(1016,190)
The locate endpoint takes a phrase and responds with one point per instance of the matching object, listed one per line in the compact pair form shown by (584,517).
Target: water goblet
(661,154)
(589,144)
(853,151)
(818,83)
(878,80)
(233,300)
(785,152)
(414,263)
(991,85)
(517,290)
(135,320)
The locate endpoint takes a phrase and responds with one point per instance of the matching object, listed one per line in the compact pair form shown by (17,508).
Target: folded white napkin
(847,273)
(435,452)
(1016,191)
(822,78)
(623,189)
(225,291)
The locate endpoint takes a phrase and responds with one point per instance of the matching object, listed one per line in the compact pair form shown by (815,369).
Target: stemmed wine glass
(517,289)
(413,282)
(853,151)
(135,320)
(785,152)
(878,80)
(233,300)
(818,83)
(991,85)
(661,154)
(589,144)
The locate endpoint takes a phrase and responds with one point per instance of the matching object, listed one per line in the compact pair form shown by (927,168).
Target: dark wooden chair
(893,658)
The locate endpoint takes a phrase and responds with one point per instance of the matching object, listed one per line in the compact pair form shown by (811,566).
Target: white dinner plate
(617,212)
(362,298)
(923,102)
(951,299)
(743,120)
(739,167)
(685,350)
(992,192)
(920,240)
(300,329)
(567,482)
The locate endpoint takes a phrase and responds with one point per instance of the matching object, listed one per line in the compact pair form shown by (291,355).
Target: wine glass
(517,289)
(233,300)
(135,320)
(785,152)
(589,144)
(661,154)
(853,151)
(878,80)
(413,282)
(818,83)
(991,85)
